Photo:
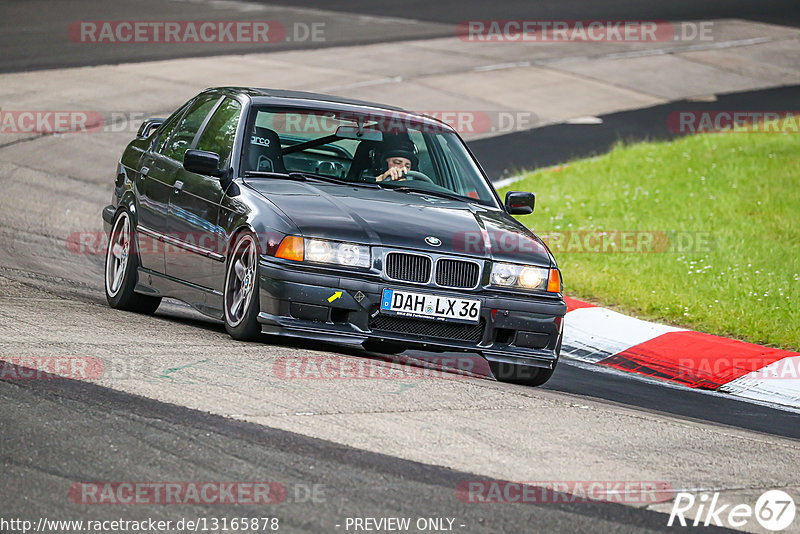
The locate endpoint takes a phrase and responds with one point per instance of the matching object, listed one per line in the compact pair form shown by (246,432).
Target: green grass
(740,190)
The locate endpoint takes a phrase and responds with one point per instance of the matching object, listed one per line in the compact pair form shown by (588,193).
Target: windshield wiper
(306,176)
(332,180)
(279,175)
(442,194)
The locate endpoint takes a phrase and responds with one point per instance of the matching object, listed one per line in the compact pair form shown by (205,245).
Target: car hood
(402,220)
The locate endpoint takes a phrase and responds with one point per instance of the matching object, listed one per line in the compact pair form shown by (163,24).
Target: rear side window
(167,129)
(186,129)
(220,131)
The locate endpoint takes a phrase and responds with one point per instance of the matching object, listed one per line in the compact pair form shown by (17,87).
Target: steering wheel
(416,175)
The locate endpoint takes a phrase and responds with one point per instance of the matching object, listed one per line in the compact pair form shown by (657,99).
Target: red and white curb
(601,336)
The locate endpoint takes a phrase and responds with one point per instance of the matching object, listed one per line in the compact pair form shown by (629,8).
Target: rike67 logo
(774,510)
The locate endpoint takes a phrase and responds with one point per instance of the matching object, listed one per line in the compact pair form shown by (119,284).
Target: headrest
(264,152)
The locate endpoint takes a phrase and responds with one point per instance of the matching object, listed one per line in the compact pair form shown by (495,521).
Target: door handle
(178,186)
(144,172)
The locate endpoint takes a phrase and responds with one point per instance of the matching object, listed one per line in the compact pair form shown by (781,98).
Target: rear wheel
(121,269)
(241,289)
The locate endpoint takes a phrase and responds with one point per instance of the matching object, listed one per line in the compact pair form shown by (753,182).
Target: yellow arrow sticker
(335,296)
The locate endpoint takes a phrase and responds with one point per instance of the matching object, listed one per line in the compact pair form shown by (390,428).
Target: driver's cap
(404,149)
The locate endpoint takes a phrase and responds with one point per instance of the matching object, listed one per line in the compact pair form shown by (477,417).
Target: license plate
(424,306)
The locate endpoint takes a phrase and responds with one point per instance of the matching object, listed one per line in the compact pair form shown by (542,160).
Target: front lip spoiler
(344,335)
(543,361)
(290,327)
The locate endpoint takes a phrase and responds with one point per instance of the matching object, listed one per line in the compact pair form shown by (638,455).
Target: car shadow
(458,364)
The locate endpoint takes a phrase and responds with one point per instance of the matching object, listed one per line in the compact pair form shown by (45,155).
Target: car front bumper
(342,309)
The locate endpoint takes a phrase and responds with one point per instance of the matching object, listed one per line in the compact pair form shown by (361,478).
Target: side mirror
(148,127)
(519,202)
(333,169)
(202,162)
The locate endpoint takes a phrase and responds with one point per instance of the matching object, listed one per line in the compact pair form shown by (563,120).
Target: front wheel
(241,289)
(121,269)
(520,374)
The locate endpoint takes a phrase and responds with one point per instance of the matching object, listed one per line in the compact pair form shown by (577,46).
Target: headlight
(323,251)
(349,254)
(532,277)
(355,255)
(504,274)
(319,251)
(523,276)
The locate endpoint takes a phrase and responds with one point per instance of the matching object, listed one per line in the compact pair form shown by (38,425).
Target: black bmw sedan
(318,217)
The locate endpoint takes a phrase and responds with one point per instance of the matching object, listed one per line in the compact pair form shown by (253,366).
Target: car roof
(264,96)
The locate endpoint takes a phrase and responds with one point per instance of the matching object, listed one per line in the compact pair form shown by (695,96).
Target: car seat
(264,151)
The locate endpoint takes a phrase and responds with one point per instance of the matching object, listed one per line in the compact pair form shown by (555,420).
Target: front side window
(363,147)
(220,132)
(186,129)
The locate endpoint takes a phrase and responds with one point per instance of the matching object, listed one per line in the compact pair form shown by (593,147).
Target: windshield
(393,149)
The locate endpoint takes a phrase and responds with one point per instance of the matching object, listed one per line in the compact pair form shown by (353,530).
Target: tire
(520,374)
(121,267)
(240,295)
(383,347)
(524,375)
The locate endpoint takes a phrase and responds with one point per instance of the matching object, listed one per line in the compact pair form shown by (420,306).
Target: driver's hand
(394,173)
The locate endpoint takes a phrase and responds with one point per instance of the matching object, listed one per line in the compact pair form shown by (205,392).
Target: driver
(398,160)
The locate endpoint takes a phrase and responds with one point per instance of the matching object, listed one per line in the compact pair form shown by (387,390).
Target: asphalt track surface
(32,32)
(48,427)
(56,432)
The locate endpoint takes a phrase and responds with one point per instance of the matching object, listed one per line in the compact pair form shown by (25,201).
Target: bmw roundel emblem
(433,241)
